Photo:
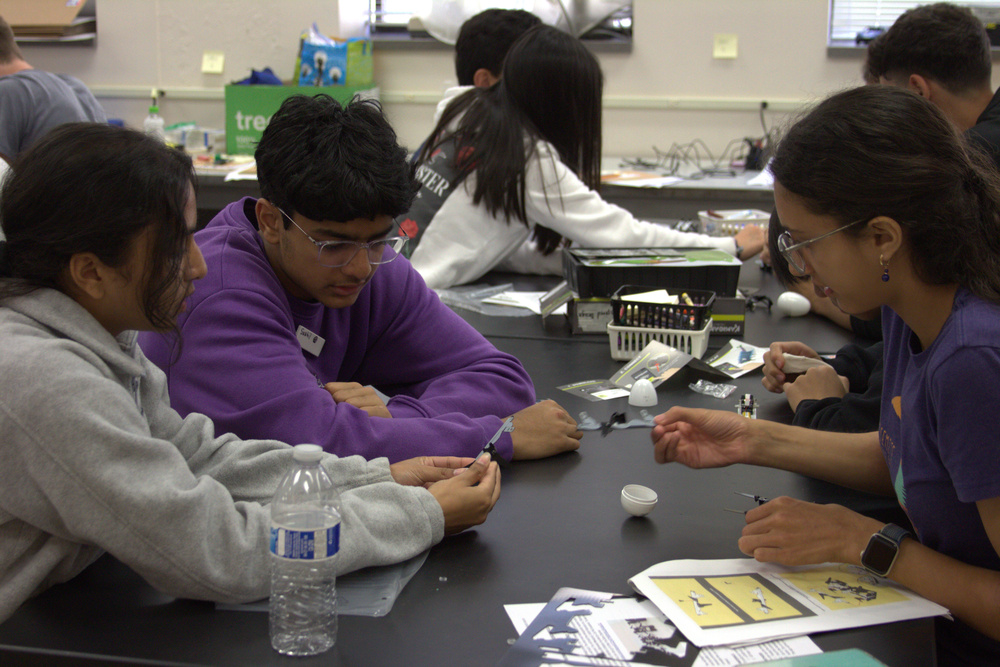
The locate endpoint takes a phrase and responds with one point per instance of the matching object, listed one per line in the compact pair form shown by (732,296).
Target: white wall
(668,89)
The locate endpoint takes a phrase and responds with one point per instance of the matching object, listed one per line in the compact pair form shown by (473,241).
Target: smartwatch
(883,548)
(739,251)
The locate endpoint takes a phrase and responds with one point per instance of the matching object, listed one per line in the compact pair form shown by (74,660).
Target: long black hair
(550,89)
(884,151)
(89,187)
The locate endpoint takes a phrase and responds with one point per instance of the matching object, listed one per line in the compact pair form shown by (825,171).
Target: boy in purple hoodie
(307,306)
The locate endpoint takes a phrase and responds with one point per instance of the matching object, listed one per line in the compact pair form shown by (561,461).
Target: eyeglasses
(792,252)
(341,253)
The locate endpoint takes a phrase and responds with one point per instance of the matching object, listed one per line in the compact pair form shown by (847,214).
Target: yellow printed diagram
(742,599)
(730,600)
(842,588)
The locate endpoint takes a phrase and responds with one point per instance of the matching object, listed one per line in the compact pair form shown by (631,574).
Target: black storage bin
(662,315)
(588,278)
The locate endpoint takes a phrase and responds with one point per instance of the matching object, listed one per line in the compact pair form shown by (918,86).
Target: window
(592,19)
(392,15)
(849,17)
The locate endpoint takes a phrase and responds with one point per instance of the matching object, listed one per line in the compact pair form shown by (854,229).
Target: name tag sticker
(309,341)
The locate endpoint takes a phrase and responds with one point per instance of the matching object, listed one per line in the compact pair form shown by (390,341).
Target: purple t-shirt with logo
(940,429)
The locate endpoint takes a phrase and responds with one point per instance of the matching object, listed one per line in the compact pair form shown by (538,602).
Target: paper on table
(662,182)
(716,602)
(764,179)
(521,616)
(656,362)
(247,172)
(638,179)
(590,628)
(737,358)
(529,300)
(655,296)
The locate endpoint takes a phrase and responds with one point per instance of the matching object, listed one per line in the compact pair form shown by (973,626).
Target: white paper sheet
(529,300)
(521,616)
(716,602)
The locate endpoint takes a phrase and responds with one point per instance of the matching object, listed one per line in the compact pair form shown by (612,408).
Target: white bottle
(153,125)
(305,539)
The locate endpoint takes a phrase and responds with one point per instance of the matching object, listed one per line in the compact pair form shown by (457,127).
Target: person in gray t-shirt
(32,101)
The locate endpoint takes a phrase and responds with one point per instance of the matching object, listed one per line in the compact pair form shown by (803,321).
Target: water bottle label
(305,544)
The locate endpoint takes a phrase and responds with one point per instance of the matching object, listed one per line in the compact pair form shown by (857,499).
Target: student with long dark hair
(886,205)
(99,224)
(521,162)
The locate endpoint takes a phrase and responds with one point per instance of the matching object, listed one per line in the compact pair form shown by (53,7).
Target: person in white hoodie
(99,224)
(510,173)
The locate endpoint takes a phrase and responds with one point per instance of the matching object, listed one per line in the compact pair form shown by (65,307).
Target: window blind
(849,17)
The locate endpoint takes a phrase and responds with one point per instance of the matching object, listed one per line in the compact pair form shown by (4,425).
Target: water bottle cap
(307,453)
(154,109)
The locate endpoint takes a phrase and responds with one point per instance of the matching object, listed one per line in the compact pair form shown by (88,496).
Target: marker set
(659,308)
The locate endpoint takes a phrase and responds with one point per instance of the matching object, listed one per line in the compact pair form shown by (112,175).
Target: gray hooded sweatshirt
(93,459)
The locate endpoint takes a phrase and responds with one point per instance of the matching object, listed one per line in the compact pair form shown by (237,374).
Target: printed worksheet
(716,602)
(580,627)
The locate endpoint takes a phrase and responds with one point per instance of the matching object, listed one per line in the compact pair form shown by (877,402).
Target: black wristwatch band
(739,250)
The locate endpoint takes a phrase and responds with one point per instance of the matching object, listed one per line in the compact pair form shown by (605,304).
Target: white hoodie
(463,241)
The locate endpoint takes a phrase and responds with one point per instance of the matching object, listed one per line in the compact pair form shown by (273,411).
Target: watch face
(879,555)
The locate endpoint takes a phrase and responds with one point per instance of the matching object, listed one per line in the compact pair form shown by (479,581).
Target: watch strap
(895,533)
(892,534)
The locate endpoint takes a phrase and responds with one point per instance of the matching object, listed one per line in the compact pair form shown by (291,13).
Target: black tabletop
(558,523)
(763,326)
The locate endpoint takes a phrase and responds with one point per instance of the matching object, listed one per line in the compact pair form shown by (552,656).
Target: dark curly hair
(943,42)
(333,162)
(484,40)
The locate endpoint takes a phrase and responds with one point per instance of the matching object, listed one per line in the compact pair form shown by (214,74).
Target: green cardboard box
(249,108)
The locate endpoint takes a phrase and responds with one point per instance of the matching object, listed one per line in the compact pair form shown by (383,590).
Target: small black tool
(616,418)
(760,500)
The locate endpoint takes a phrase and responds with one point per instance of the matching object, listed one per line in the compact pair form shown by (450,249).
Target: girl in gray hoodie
(98,223)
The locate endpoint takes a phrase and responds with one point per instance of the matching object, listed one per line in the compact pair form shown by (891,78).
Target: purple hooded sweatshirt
(242,365)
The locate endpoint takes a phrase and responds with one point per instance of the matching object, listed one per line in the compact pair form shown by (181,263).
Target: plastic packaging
(153,125)
(305,540)
(712,389)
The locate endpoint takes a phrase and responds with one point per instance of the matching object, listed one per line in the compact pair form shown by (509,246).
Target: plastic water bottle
(153,125)
(305,539)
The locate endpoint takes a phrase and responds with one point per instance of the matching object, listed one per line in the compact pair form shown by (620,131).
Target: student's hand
(765,255)
(544,429)
(774,360)
(701,438)
(467,498)
(359,396)
(794,532)
(426,470)
(815,384)
(751,238)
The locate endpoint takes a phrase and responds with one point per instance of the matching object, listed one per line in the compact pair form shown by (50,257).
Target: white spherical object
(643,393)
(638,500)
(792,304)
